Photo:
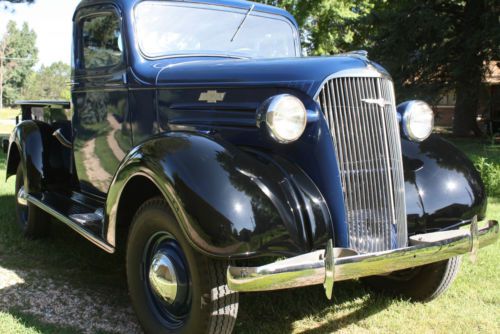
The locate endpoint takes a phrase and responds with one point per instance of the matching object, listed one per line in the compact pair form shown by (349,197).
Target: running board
(80,223)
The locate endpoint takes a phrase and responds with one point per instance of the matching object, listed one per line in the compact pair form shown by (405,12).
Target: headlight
(285,117)
(417,120)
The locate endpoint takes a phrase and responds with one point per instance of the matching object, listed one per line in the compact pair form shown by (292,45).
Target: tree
(474,49)
(49,82)
(18,54)
(5,6)
(326,25)
(431,47)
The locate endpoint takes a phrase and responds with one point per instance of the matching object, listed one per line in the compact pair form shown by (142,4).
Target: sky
(52,22)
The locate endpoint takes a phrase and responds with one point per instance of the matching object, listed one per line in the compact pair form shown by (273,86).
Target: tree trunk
(2,56)
(465,122)
(1,82)
(468,70)
(3,48)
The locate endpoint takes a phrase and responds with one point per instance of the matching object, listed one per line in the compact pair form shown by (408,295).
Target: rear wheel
(173,288)
(33,221)
(423,283)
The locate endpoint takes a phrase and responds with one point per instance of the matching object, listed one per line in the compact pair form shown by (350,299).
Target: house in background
(492,107)
(489,104)
(445,109)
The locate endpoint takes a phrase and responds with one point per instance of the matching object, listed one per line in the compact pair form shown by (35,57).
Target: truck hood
(306,74)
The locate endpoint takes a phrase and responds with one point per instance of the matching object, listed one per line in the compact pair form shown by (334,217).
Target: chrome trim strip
(314,269)
(77,228)
(22,197)
(60,137)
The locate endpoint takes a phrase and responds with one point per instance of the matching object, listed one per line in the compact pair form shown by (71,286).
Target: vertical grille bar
(361,114)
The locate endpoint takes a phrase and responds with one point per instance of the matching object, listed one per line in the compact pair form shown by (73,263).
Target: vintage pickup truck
(203,146)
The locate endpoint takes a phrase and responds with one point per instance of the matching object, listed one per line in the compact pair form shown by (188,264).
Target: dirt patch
(63,304)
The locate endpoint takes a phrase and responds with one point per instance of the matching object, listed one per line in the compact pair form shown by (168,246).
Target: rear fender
(26,148)
(43,159)
(229,203)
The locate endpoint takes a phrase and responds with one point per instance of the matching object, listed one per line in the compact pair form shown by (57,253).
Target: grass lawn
(5,130)
(7,114)
(472,305)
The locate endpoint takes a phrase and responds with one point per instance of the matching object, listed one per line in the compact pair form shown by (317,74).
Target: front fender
(443,188)
(230,203)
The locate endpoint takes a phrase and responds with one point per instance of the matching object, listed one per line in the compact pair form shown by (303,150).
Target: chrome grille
(361,115)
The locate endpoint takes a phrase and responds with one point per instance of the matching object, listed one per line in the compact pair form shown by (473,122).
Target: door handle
(60,137)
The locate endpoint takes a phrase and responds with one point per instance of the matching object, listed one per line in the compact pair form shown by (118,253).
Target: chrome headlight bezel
(415,114)
(279,113)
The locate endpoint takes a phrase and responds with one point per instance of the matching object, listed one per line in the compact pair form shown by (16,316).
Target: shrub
(490,173)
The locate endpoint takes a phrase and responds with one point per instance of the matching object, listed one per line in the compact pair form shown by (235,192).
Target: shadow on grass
(278,312)
(62,283)
(62,252)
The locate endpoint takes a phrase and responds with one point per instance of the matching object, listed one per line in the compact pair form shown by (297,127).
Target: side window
(101,41)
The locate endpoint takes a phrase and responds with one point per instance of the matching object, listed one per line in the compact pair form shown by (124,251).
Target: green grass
(487,160)
(16,322)
(472,305)
(5,130)
(479,148)
(9,113)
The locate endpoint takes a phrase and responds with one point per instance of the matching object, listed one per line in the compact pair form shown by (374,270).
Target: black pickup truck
(202,144)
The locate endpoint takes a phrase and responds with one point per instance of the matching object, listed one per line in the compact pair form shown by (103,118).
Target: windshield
(169,28)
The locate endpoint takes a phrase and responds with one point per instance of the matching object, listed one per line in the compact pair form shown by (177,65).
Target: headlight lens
(418,120)
(285,117)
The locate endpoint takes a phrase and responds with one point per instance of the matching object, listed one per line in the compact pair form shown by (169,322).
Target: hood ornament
(212,96)
(382,103)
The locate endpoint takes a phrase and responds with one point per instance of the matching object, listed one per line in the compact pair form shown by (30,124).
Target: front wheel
(423,283)
(173,288)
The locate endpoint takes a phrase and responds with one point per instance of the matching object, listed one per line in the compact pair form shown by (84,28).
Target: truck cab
(201,141)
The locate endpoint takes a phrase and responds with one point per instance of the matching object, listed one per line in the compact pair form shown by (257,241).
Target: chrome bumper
(338,264)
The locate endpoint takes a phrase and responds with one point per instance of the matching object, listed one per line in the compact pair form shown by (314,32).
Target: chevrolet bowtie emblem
(212,96)
(382,103)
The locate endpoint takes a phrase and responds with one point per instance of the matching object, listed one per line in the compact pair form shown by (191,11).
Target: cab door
(101,127)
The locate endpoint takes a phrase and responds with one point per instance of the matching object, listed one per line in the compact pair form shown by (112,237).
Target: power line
(14,58)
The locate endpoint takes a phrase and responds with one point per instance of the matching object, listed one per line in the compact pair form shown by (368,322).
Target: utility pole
(2,56)
(1,83)
(3,47)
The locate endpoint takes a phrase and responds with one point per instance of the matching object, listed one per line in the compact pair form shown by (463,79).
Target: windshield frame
(215,54)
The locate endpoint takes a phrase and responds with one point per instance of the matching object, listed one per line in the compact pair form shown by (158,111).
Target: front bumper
(338,264)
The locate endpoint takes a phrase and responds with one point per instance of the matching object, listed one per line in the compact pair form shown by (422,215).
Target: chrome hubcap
(166,279)
(163,278)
